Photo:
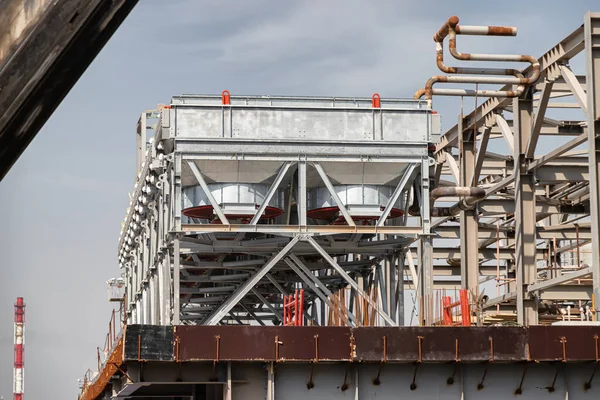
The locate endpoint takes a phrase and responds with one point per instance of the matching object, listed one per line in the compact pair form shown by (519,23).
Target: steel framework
(238,203)
(359,204)
(538,221)
(526,218)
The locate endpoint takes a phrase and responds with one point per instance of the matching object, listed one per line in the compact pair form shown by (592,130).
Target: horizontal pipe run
(486,30)
(457,191)
(451,29)
(472,195)
(477,79)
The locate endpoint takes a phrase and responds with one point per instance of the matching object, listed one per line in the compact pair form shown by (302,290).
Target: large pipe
(471,196)
(457,191)
(451,29)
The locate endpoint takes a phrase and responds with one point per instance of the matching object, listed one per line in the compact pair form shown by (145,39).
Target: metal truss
(518,227)
(536,231)
(186,269)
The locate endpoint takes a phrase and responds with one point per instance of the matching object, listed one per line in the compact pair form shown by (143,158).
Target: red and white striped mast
(19,382)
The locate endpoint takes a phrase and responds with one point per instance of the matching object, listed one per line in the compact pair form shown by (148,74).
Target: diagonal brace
(315,284)
(349,279)
(334,194)
(284,169)
(401,185)
(239,294)
(207,192)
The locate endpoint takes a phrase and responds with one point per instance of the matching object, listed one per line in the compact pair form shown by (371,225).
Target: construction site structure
(19,341)
(273,244)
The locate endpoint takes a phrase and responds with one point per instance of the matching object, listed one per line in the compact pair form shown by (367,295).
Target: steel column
(176,282)
(592,61)
(469,226)
(525,212)
(301,195)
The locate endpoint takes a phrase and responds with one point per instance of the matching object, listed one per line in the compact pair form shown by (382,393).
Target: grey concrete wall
(16,16)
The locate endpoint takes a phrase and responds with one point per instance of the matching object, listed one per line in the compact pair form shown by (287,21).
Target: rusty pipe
(445,29)
(470,70)
(451,29)
(452,25)
(486,30)
(535,65)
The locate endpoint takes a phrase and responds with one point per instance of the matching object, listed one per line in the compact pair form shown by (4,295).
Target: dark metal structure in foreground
(45,47)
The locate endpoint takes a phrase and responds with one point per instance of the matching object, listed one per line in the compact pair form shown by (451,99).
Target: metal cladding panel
(570,343)
(302,123)
(441,344)
(149,343)
(259,343)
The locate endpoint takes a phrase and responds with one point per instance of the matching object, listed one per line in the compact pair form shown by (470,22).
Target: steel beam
(350,281)
(301,195)
(567,293)
(539,119)
(564,278)
(507,133)
(397,192)
(575,87)
(207,192)
(267,303)
(321,290)
(334,195)
(592,62)
(176,283)
(559,151)
(469,225)
(525,212)
(239,294)
(481,155)
(272,190)
(315,229)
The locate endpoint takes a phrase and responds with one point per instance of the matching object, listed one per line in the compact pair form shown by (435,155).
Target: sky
(64,200)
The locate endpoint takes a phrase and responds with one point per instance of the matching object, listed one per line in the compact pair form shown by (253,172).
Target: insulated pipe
(458,191)
(451,28)
(472,195)
(535,65)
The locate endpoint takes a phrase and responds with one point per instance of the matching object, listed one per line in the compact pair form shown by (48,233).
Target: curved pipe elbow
(448,26)
(422,92)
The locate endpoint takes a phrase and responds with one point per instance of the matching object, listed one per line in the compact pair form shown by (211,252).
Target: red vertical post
(447,310)
(465,307)
(284,310)
(301,308)
(296,308)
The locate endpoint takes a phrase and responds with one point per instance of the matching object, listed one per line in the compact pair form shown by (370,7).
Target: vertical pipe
(302,194)
(176,282)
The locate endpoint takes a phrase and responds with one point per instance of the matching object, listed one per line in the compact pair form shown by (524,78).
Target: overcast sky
(64,200)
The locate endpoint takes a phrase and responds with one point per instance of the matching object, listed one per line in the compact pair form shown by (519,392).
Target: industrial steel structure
(251,198)
(359,205)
